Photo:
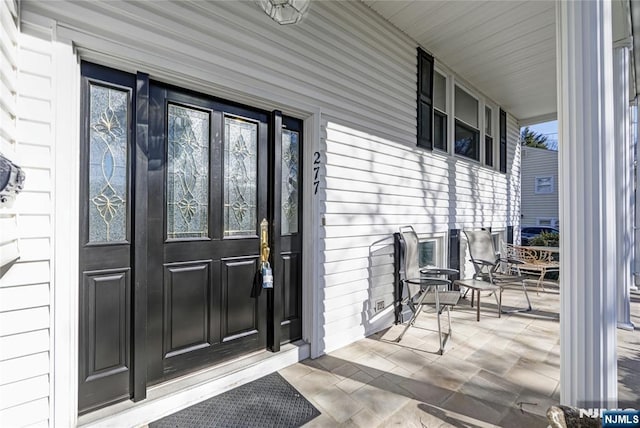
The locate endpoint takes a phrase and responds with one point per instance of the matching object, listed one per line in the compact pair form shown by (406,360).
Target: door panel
(106,303)
(290,289)
(187,309)
(240,311)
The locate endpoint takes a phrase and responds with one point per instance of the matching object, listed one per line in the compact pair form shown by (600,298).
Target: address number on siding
(316,172)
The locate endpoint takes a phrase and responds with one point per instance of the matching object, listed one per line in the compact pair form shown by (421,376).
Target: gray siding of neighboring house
(538,163)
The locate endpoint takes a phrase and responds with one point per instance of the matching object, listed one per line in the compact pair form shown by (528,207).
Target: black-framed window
(467,133)
(440,130)
(425,100)
(488,136)
(440,111)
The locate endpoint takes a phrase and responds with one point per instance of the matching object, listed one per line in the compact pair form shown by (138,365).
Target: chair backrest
(410,252)
(481,245)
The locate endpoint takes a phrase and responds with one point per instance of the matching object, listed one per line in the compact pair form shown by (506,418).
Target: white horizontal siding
(25,296)
(26,414)
(25,317)
(24,320)
(24,391)
(17,369)
(19,345)
(514,169)
(538,163)
(9,250)
(8,76)
(343,58)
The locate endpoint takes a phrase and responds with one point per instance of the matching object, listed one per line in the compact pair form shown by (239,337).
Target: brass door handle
(264,241)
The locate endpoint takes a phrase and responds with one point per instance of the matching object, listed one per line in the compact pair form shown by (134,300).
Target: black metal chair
(423,289)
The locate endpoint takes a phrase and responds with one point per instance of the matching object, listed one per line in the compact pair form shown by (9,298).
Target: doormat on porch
(266,402)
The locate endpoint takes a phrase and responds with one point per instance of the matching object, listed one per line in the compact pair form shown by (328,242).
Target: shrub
(545,239)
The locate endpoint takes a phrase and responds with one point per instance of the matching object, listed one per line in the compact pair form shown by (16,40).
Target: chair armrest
(482,262)
(512,261)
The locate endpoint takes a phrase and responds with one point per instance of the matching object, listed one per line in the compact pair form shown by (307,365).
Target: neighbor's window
(488,136)
(544,221)
(467,134)
(544,185)
(439,111)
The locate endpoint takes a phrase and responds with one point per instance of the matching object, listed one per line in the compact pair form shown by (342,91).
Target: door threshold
(177,394)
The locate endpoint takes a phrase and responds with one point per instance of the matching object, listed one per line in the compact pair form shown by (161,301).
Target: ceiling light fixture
(285,11)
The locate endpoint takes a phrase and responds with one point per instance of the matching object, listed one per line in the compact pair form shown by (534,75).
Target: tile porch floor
(496,372)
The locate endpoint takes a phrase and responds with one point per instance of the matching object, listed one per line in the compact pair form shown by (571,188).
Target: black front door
(175,186)
(208,184)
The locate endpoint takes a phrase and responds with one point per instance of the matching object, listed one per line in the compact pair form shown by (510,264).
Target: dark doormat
(266,402)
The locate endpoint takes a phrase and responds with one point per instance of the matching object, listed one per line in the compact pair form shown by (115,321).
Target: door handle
(264,241)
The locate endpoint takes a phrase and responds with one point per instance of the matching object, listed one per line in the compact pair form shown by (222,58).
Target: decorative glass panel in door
(108,124)
(240,176)
(187,172)
(290,156)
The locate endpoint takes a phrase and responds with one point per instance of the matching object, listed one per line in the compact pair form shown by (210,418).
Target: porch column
(624,180)
(588,365)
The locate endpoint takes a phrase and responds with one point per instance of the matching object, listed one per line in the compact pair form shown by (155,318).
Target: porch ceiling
(506,49)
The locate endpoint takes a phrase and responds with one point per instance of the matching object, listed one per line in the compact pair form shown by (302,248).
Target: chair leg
(498,295)
(440,333)
(403,332)
(412,320)
(541,281)
(466,290)
(524,287)
(526,294)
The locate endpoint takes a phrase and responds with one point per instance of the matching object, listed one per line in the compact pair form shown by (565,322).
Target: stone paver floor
(497,372)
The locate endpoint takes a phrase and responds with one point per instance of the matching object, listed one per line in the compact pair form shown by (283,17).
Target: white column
(624,180)
(588,365)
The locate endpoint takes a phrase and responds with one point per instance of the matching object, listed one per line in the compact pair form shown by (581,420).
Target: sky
(546,127)
(550,129)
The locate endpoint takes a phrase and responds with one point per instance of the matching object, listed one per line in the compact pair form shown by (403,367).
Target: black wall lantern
(11,181)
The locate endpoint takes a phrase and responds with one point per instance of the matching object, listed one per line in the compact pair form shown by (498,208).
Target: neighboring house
(539,187)
(156,137)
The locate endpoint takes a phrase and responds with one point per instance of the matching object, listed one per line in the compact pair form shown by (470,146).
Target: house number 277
(316,172)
